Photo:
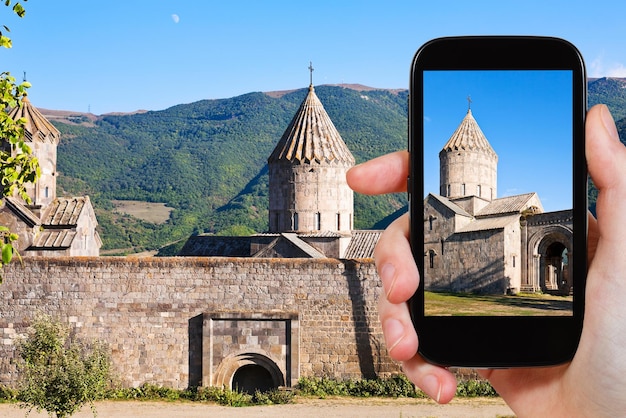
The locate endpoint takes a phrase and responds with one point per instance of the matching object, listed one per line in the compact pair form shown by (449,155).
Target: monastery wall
(159,315)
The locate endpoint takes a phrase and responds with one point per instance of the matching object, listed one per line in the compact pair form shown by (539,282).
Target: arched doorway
(554,263)
(248,372)
(554,277)
(252,377)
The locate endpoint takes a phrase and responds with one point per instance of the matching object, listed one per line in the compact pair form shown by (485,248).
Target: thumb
(606,161)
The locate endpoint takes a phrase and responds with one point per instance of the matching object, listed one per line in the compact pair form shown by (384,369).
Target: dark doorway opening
(555,268)
(252,377)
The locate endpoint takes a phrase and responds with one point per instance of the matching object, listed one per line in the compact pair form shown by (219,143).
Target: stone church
(49,225)
(475,242)
(311,206)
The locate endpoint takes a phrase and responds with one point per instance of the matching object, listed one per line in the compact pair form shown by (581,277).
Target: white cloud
(175,18)
(599,68)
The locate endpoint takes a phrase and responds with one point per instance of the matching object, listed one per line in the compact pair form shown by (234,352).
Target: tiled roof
(308,249)
(468,136)
(362,244)
(22,211)
(485,224)
(503,205)
(37,126)
(311,137)
(216,246)
(449,204)
(64,211)
(53,239)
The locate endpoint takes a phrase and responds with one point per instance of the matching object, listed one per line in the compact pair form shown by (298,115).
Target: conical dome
(468,166)
(43,140)
(37,126)
(311,137)
(307,175)
(468,136)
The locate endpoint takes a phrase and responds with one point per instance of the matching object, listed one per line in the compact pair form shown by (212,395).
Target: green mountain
(207,160)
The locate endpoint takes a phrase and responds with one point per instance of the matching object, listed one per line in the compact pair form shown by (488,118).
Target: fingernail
(388,276)
(394,333)
(431,386)
(609,122)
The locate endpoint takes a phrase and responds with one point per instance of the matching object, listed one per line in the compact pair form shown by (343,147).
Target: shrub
(60,375)
(7,394)
(475,388)
(272,397)
(395,386)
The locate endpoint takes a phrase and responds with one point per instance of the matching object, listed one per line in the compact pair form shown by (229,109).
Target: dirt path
(304,408)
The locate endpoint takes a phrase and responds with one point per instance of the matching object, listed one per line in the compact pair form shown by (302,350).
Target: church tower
(307,174)
(43,138)
(468,166)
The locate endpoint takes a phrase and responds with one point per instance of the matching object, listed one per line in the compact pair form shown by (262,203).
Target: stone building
(311,206)
(49,225)
(475,242)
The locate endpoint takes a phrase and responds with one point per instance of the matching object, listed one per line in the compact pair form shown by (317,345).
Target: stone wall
(153,313)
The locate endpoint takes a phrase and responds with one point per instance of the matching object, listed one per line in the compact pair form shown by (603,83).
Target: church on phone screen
(475,242)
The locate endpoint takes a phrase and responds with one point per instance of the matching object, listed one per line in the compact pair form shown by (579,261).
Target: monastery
(475,242)
(49,225)
(311,206)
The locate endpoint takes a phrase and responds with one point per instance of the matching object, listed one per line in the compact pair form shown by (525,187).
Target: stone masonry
(166,319)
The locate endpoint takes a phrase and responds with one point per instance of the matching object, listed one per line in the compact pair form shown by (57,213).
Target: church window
(431,259)
(448,191)
(463,189)
(294,222)
(478,190)
(513,261)
(338,221)
(46,191)
(442,246)
(318,222)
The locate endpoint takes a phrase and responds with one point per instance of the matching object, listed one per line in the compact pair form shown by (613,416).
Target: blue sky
(113,55)
(525,116)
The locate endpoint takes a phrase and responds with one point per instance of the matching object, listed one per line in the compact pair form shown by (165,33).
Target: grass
(156,213)
(523,304)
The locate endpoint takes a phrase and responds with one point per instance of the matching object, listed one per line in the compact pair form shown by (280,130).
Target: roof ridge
(311,137)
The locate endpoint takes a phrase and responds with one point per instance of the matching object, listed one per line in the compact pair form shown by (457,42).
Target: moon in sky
(175,18)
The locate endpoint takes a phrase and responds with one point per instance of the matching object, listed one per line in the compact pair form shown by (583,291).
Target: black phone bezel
(494,341)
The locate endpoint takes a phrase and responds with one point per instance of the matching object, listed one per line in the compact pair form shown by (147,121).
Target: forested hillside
(207,160)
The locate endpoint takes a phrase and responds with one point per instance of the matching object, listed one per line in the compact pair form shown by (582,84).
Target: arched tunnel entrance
(250,378)
(249,372)
(555,266)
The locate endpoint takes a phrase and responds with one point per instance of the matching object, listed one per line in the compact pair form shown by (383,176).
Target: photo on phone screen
(498,192)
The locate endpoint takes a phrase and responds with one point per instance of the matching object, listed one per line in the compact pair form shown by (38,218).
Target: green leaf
(7,253)
(5,42)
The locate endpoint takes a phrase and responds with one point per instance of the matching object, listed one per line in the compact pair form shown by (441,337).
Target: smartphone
(498,200)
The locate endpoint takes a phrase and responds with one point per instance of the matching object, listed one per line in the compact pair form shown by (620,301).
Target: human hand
(594,383)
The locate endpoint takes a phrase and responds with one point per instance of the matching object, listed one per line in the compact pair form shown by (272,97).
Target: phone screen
(498,200)
(498,192)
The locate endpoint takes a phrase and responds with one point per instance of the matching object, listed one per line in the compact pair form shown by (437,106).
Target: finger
(435,381)
(400,336)
(606,161)
(394,262)
(385,174)
(592,237)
